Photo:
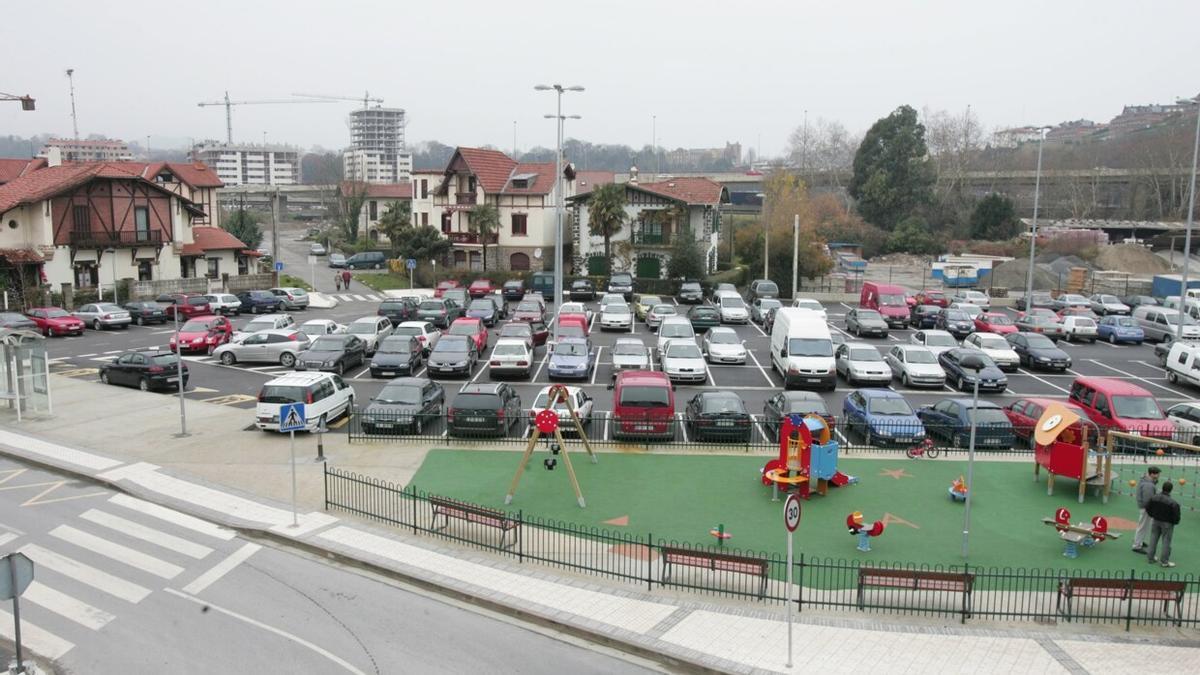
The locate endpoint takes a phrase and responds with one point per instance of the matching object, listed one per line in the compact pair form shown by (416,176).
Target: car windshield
(509,349)
(164,359)
(56,313)
(977,361)
(314,329)
(197,326)
(650,300)
(396,344)
(1074,299)
(919,356)
(1109,299)
(723,403)
(11,316)
(957,315)
(664,310)
(327,344)
(808,304)
(434,305)
(407,330)
(683,350)
(463,329)
(869,314)
(769,303)
(278,394)
(617,308)
(993,342)
(731,301)
(197,301)
(646,397)
(482,305)
(891,299)
(939,340)
(543,399)
(478,401)
(702,312)
(572,308)
(255,325)
(363,328)
(399,394)
(581,284)
(767,287)
(621,279)
(1136,408)
(629,349)
(1125,322)
(806,406)
(865,354)
(518,329)
(571,349)
(106,307)
(529,307)
(1085,322)
(691,287)
(810,347)
(987,416)
(1173,319)
(1039,341)
(723,337)
(889,406)
(393,306)
(449,347)
(676,330)
(999,320)
(971,311)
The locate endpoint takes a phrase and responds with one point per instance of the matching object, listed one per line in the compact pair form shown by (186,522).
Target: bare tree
(822,151)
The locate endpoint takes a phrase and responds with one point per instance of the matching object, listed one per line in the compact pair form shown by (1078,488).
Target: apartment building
(87,150)
(377,151)
(250,164)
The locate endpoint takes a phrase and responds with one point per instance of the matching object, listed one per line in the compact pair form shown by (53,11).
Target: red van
(1121,406)
(643,405)
(568,325)
(889,300)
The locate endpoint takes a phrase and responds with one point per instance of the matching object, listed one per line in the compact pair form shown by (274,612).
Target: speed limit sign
(791,512)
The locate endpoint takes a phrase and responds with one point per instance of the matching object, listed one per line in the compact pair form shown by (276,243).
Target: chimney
(633,175)
(54,156)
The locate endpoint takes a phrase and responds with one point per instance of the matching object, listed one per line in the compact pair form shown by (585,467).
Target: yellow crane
(229,108)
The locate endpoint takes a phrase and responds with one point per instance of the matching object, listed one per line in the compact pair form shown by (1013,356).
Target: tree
(687,260)
(422,243)
(912,235)
(485,222)
(351,199)
(786,197)
(396,217)
(606,215)
(244,225)
(994,218)
(821,147)
(892,174)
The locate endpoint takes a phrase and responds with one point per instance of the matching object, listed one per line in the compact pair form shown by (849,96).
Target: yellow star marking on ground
(896,473)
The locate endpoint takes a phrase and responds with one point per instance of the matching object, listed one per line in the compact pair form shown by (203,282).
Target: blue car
(260,301)
(882,417)
(1117,329)
(950,419)
(571,357)
(963,365)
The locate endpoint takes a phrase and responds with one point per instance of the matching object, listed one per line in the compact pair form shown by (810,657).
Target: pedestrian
(346,279)
(1165,512)
(337,280)
(1145,490)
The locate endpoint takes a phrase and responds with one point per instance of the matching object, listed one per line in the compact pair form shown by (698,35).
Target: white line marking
(35,638)
(122,554)
(7,537)
(1142,379)
(221,569)
(64,605)
(258,624)
(596,365)
(162,332)
(85,574)
(545,358)
(148,534)
(359,298)
(604,433)
(758,424)
(762,370)
(1042,380)
(78,356)
(174,517)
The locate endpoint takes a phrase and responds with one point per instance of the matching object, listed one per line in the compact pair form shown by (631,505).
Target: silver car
(722,345)
(915,366)
(268,346)
(511,356)
(657,313)
(616,316)
(224,303)
(1105,304)
(733,309)
(860,362)
(630,354)
(291,297)
(682,361)
(101,315)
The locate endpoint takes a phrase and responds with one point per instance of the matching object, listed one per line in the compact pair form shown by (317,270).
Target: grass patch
(382,281)
(288,280)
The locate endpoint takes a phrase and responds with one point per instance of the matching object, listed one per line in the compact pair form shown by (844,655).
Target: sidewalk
(240,479)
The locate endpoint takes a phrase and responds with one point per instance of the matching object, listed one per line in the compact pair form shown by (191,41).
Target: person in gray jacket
(1144,491)
(1165,512)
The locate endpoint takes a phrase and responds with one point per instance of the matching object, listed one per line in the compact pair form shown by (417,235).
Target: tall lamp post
(762,209)
(1187,235)
(1037,193)
(978,365)
(112,252)
(558,202)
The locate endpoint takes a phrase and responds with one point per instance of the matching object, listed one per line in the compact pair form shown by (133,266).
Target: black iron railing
(91,239)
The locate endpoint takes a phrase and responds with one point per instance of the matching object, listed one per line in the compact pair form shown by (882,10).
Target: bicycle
(925,448)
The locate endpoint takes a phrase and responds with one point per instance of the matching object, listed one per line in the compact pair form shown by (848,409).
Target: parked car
(453,355)
(762,288)
(484,410)
(186,304)
(534,331)
(264,322)
(616,316)
(367,260)
(812,306)
(511,357)
(622,283)
(889,300)
(1085,312)
(673,328)
(964,366)
(1135,301)
(443,286)
(629,353)
(977,298)
(643,405)
(571,325)
(439,311)
(718,415)
(915,366)
(268,346)
(225,304)
(257,302)
(316,249)
(784,403)
(336,261)
(571,358)
(702,318)
(996,347)
(860,362)
(291,297)
(937,341)
(722,345)
(951,419)
(733,309)
(325,397)
(1186,419)
(1036,351)
(865,322)
(370,329)
(1159,324)
(423,331)
(576,309)
(399,310)
(1080,329)
(513,290)
(145,312)
(933,297)
(972,311)
(1034,323)
(583,290)
(1037,299)
(643,304)
(1117,329)
(1105,304)
(611,299)
(14,321)
(689,293)
(1025,413)
(683,362)
(480,288)
(882,417)
(458,296)
(406,404)
(397,355)
(655,316)
(720,288)
(334,353)
(472,328)
(1120,405)
(760,307)
(485,310)
(201,334)
(1070,300)
(579,400)
(923,316)
(529,310)
(994,322)
(103,315)
(146,369)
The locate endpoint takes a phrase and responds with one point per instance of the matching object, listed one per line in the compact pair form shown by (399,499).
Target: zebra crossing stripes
(352,297)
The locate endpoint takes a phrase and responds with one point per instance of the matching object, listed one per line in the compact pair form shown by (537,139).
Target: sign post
(291,418)
(16,573)
(791,519)
(411,264)
(312,270)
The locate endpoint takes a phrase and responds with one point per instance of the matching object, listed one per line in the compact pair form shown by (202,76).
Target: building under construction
(377,151)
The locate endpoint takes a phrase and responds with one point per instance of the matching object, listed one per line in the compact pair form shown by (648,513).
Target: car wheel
(1172,377)
(103,377)
(341,368)
(419,425)
(286,359)
(140,321)
(96,324)
(904,379)
(144,384)
(960,441)
(228,358)
(1112,338)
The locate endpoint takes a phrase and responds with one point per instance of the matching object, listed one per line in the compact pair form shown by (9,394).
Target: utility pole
(1187,235)
(275,234)
(654,145)
(795,255)
(71,84)
(558,202)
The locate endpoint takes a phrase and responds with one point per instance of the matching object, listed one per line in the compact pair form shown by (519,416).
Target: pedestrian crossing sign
(291,417)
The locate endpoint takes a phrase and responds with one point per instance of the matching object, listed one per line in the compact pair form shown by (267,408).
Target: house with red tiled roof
(658,214)
(523,193)
(377,198)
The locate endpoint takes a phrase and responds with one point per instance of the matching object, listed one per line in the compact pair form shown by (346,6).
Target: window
(145,270)
(460,258)
(424,219)
(374,210)
(81,218)
(86,275)
(141,221)
(518,262)
(519,225)
(446,223)
(243,264)
(424,189)
(214,268)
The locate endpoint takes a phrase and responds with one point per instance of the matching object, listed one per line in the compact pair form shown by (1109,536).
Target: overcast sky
(465,70)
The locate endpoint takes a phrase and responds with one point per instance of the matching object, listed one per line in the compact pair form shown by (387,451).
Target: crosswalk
(353,297)
(131,548)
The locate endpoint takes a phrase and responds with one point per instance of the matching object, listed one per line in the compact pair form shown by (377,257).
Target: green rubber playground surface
(677,497)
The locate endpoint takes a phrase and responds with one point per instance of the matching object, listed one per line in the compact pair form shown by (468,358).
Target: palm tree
(484,221)
(606,215)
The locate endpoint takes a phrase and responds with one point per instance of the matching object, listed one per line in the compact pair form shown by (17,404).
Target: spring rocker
(1079,534)
(857,527)
(806,454)
(547,422)
(1062,451)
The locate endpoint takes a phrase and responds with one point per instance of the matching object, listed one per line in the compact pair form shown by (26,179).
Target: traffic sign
(16,573)
(278,266)
(411,263)
(791,512)
(291,417)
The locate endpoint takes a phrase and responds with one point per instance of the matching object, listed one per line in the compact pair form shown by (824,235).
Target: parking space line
(482,367)
(604,433)
(1042,380)
(756,420)
(596,365)
(545,358)
(761,369)
(1142,379)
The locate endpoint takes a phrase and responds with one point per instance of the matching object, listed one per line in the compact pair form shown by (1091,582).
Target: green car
(644,304)
(703,317)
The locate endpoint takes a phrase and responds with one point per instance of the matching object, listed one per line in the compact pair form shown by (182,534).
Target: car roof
(966,403)
(206,317)
(1112,386)
(571,390)
(282,331)
(301,378)
(514,341)
(261,317)
(319,322)
(414,324)
(1044,402)
(802,396)
(481,388)
(364,319)
(642,377)
(880,393)
(474,321)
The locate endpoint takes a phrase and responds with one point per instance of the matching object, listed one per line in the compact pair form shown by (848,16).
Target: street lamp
(762,209)
(1037,191)
(112,252)
(974,417)
(1187,234)
(558,203)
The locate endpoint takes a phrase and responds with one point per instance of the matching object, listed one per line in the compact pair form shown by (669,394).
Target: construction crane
(365,98)
(229,109)
(26,101)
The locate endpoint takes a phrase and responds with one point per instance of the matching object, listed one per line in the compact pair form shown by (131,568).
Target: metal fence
(964,592)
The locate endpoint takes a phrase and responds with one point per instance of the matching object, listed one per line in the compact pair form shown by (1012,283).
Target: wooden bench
(716,562)
(1122,590)
(917,580)
(472,513)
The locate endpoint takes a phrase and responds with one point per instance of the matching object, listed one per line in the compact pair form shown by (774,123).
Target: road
(123,586)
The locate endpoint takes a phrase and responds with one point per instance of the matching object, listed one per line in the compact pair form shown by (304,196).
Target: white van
(801,349)
(325,397)
(1183,364)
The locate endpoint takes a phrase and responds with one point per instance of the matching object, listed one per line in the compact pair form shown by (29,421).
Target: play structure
(1069,458)
(807,455)
(546,422)
(857,527)
(958,490)
(1079,534)
(720,534)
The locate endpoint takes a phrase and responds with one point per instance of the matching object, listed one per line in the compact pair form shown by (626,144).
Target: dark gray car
(410,404)
(866,322)
(453,355)
(396,355)
(334,353)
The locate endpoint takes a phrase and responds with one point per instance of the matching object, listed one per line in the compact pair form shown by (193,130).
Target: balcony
(470,238)
(123,238)
(641,238)
(464,198)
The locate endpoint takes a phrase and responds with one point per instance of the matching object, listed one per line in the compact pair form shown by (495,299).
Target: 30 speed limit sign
(791,512)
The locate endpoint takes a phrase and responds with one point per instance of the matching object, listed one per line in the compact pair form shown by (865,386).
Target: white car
(1080,328)
(317,327)
(611,299)
(1186,418)
(683,362)
(325,396)
(972,310)
(224,303)
(616,316)
(976,298)
(580,400)
(657,313)
(426,333)
(629,353)
(371,330)
(812,306)
(859,362)
(733,309)
(1105,304)
(511,356)
(576,308)
(996,347)
(937,341)
(915,366)
(722,345)
(673,328)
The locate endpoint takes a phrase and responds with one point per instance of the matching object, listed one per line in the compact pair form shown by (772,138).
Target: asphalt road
(126,587)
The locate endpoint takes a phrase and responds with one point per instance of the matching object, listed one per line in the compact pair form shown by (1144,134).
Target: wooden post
(512,488)
(570,469)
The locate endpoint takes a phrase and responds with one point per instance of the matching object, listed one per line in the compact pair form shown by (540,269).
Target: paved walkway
(733,637)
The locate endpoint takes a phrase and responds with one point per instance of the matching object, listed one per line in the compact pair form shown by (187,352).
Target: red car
(444,286)
(188,305)
(528,310)
(1024,414)
(995,322)
(932,297)
(1077,311)
(202,334)
(55,321)
(480,288)
(472,328)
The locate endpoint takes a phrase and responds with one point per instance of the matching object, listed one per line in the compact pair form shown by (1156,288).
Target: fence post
(414,503)
(1129,611)
(325,468)
(649,561)
(520,539)
(800,586)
